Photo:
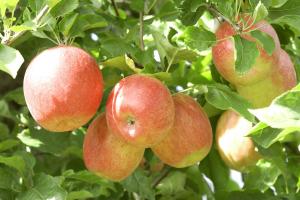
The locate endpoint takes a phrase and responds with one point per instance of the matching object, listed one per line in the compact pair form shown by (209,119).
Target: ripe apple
(140,109)
(106,154)
(190,139)
(63,88)
(282,78)
(224,53)
(236,150)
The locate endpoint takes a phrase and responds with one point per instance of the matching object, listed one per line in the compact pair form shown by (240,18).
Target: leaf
(9,179)
(141,184)
(16,95)
(265,40)
(15,162)
(8,144)
(267,173)
(64,7)
(4,109)
(260,12)
(82,194)
(67,22)
(278,3)
(290,8)
(45,187)
(7,4)
(223,98)
(10,60)
(191,11)
(246,54)
(284,111)
(174,183)
(198,38)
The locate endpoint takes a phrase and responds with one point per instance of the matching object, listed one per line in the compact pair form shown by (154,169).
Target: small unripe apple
(224,53)
(140,109)
(190,139)
(63,88)
(282,78)
(236,150)
(106,154)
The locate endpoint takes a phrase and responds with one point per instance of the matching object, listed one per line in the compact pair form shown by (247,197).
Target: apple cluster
(270,76)
(63,88)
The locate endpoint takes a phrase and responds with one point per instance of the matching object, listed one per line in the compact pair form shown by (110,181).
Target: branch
(142,45)
(115,8)
(36,20)
(163,175)
(212,9)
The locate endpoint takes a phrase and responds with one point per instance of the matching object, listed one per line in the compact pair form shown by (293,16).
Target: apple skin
(140,109)
(190,139)
(63,88)
(236,150)
(106,154)
(224,52)
(282,78)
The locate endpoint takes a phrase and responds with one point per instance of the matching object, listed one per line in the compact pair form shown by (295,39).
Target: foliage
(173,43)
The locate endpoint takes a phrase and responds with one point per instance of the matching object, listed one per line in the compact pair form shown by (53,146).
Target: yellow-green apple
(282,78)
(236,150)
(224,52)
(63,88)
(190,139)
(140,109)
(107,155)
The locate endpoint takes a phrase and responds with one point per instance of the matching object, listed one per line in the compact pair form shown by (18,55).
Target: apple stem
(216,12)
(115,8)
(163,175)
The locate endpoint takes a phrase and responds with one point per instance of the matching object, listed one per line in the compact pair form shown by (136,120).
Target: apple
(190,139)
(63,88)
(282,78)
(223,53)
(140,109)
(236,150)
(106,154)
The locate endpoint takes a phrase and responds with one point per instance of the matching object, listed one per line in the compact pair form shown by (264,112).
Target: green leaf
(260,12)
(265,40)
(141,184)
(8,144)
(198,38)
(9,179)
(16,162)
(10,60)
(16,95)
(4,109)
(64,7)
(67,22)
(7,4)
(174,183)
(82,194)
(278,3)
(246,54)
(284,111)
(290,8)
(267,173)
(45,187)
(224,98)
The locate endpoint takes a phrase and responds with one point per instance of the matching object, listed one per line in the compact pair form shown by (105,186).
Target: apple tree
(231,67)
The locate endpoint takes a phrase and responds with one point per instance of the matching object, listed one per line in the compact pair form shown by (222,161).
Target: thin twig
(115,8)
(212,9)
(36,20)
(166,171)
(142,45)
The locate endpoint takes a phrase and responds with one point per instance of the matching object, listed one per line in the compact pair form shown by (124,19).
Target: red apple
(190,139)
(63,88)
(106,154)
(237,150)
(140,109)
(224,53)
